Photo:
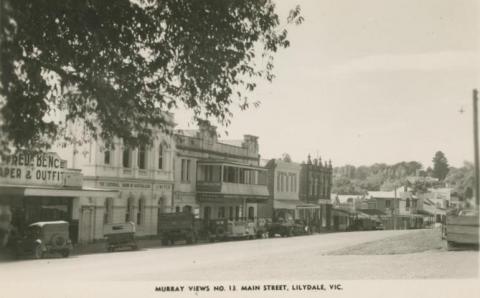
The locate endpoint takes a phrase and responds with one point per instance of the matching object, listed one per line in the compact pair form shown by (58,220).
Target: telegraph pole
(475,147)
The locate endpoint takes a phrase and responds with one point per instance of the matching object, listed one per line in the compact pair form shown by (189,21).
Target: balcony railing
(233,188)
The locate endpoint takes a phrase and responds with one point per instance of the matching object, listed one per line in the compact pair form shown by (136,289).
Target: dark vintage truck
(185,226)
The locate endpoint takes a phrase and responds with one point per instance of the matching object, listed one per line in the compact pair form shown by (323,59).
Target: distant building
(283,186)
(315,189)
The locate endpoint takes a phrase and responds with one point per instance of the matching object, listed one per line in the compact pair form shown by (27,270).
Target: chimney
(206,130)
(250,142)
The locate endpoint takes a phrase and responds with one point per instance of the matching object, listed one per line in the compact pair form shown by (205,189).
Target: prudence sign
(33,169)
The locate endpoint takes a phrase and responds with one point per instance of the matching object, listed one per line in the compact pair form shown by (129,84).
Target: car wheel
(38,252)
(66,253)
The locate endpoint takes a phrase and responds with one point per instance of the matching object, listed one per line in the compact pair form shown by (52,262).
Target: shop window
(187,209)
(230,212)
(142,158)
(387,204)
(129,212)
(141,212)
(251,213)
(108,215)
(126,162)
(160,157)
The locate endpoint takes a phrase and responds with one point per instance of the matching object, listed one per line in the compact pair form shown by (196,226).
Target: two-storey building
(142,176)
(315,189)
(219,179)
(283,186)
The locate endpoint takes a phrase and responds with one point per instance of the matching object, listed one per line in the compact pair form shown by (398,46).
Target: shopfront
(39,187)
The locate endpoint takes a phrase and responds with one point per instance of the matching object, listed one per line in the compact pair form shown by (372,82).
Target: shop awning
(286,204)
(35,191)
(424,212)
(373,212)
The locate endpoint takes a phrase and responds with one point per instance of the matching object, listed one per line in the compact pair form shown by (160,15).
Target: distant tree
(115,67)
(440,165)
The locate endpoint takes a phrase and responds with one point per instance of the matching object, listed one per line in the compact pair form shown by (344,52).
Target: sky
(371,81)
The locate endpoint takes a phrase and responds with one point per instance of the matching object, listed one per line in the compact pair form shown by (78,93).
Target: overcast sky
(370,81)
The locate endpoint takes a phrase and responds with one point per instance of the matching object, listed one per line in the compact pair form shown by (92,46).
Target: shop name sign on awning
(36,169)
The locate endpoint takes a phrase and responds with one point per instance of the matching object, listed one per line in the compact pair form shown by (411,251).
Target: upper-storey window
(142,158)
(160,157)
(279,179)
(293,181)
(106,157)
(126,159)
(185,170)
(287,182)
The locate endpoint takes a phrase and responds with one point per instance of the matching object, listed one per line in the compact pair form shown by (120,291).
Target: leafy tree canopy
(116,66)
(440,165)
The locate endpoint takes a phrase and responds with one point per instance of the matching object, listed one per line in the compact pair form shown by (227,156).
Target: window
(279,177)
(294,182)
(207,211)
(387,203)
(237,213)
(177,209)
(221,212)
(161,204)
(141,211)
(129,211)
(108,215)
(187,209)
(251,213)
(126,158)
(287,182)
(230,212)
(142,158)
(407,203)
(106,157)
(160,157)
(185,170)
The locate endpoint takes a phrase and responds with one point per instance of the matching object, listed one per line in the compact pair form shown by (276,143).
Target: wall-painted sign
(37,169)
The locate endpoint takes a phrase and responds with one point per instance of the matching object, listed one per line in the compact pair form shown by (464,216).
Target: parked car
(120,235)
(42,238)
(287,228)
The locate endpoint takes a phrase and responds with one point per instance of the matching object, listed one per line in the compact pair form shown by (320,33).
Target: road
(296,258)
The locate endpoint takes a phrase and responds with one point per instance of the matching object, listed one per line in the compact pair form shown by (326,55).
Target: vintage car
(120,235)
(42,238)
(288,228)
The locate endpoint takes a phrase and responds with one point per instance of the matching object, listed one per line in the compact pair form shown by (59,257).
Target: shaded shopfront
(40,187)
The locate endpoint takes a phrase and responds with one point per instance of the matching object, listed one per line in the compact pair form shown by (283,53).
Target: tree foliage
(461,180)
(440,165)
(358,180)
(115,67)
